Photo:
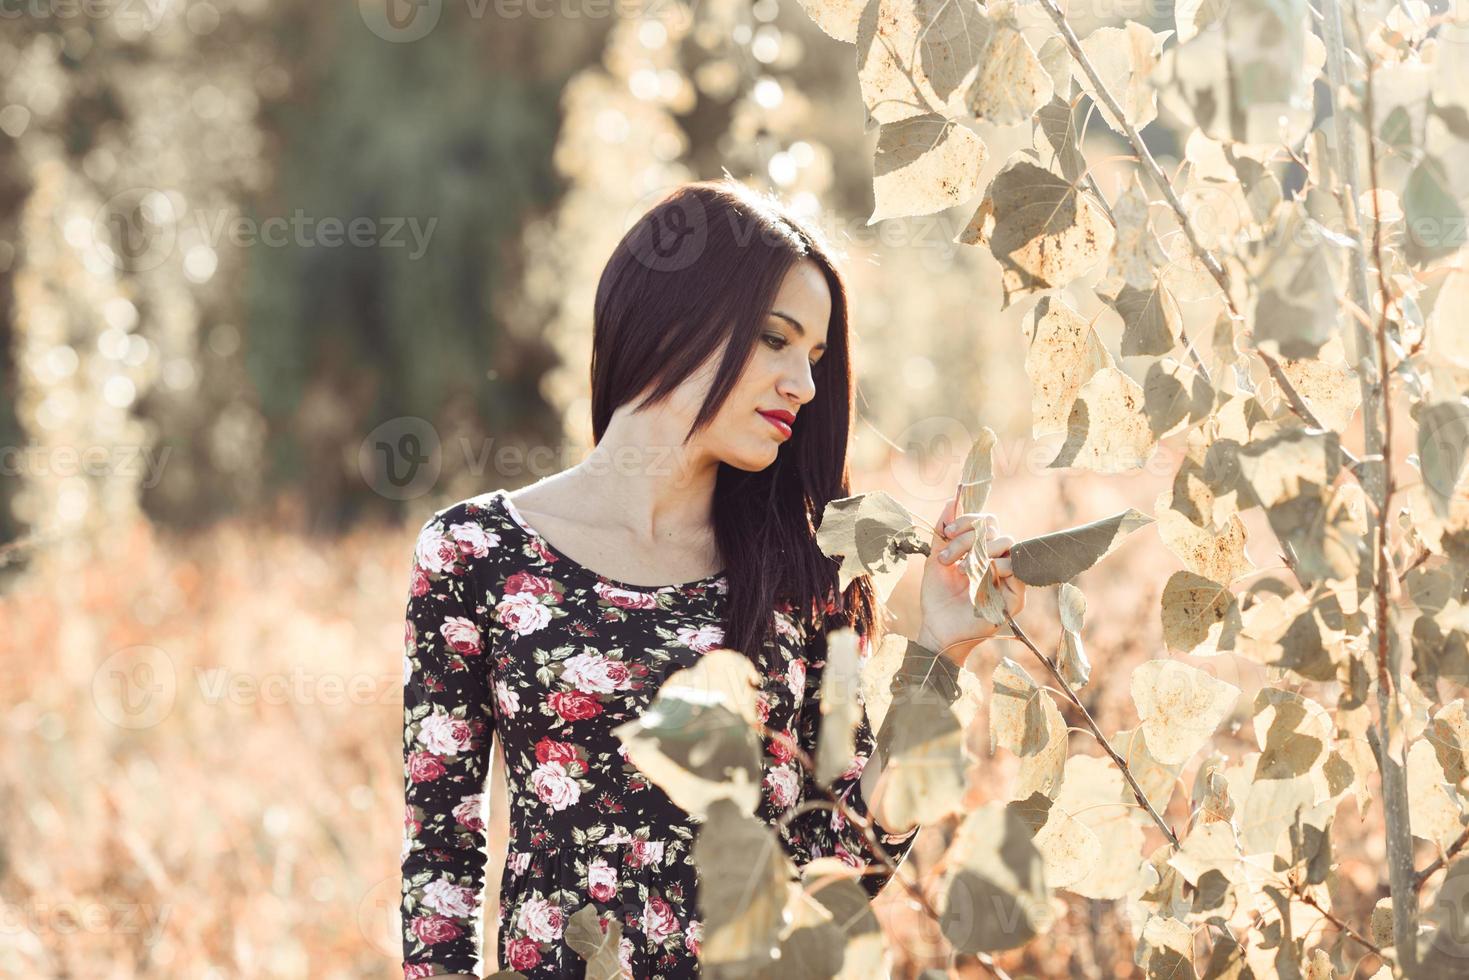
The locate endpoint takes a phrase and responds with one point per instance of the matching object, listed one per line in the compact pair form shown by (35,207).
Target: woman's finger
(1000,546)
(1002,567)
(975,519)
(958,545)
(940,537)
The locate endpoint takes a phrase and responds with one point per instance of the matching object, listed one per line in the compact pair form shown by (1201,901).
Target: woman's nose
(800,386)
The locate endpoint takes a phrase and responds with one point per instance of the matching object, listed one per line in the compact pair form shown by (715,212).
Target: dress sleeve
(448,726)
(824,832)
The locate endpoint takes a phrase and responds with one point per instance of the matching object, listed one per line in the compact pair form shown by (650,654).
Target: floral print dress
(505,634)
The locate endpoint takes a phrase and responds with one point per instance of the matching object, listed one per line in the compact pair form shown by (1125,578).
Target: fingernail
(950,527)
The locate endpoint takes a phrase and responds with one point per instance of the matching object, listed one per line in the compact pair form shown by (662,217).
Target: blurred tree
(143,309)
(446,156)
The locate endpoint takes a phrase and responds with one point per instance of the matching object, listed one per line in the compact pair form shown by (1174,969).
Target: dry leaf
(1044,229)
(924,164)
(1108,430)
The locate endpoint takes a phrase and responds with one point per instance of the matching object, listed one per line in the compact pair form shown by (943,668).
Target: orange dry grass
(202,774)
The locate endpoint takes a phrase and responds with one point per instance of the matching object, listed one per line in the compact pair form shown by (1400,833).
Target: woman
(721,399)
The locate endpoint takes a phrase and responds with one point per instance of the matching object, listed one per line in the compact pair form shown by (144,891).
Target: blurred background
(277,280)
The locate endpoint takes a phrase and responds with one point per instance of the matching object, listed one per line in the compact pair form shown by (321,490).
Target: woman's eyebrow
(800,330)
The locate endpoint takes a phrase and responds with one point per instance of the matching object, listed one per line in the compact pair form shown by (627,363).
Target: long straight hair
(700,268)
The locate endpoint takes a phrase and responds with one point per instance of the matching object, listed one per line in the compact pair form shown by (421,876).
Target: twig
(1346,930)
(1423,555)
(1377,423)
(1420,878)
(1121,763)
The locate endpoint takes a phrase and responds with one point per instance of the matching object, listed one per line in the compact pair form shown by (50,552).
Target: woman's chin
(753,462)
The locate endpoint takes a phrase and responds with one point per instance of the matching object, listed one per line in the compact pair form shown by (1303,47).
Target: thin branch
(1346,930)
(1120,762)
(1420,878)
(1423,555)
(1377,430)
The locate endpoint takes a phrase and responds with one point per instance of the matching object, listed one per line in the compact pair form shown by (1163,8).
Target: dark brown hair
(701,267)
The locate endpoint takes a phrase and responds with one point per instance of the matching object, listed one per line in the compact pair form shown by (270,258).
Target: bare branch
(1091,724)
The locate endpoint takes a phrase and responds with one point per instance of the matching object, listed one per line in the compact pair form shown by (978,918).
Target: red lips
(781,419)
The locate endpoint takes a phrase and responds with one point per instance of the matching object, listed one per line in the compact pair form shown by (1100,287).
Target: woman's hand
(949,624)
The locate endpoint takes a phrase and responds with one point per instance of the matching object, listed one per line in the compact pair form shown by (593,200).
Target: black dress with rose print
(506,634)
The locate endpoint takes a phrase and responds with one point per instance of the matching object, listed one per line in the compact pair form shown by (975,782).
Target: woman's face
(777,380)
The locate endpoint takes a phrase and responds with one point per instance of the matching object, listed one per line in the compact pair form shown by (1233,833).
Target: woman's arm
(448,725)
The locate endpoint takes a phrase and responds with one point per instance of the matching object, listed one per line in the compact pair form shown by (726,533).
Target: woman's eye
(777,342)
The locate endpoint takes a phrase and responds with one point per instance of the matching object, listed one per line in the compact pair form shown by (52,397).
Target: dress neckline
(514,514)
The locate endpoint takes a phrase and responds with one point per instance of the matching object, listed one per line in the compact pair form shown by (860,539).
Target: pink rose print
(847,857)
(467,813)
(601,880)
(443,734)
(796,679)
(447,898)
(645,853)
(524,583)
(783,784)
(522,613)
(554,787)
(658,921)
(431,929)
(625,598)
(435,552)
(581,656)
(523,954)
(624,956)
(574,705)
(783,746)
(703,638)
(472,540)
(462,635)
(418,582)
(570,756)
(541,920)
(593,673)
(411,824)
(424,767)
(508,700)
